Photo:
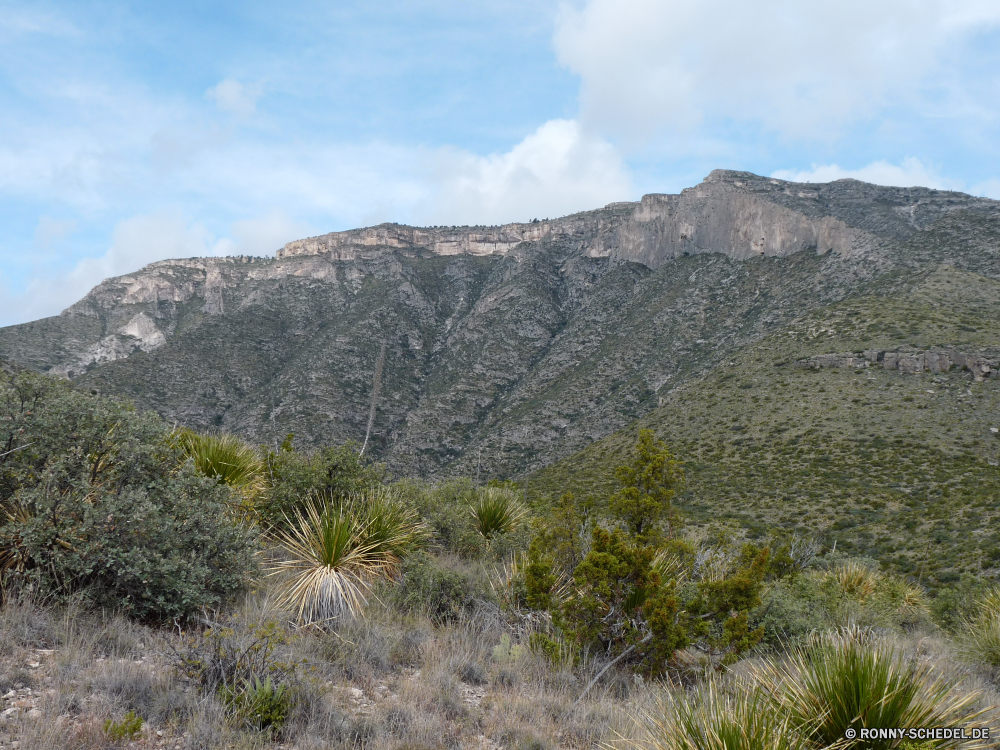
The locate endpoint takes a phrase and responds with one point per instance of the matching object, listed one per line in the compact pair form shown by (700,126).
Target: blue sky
(132,132)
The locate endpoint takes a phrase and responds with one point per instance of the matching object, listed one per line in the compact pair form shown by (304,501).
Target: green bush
(852,590)
(433,587)
(96,499)
(444,506)
(335,472)
(127,729)
(259,705)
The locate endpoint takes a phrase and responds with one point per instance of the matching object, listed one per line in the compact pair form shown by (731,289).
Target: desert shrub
(955,604)
(127,729)
(95,498)
(980,639)
(848,591)
(442,589)
(373,645)
(336,472)
(444,507)
(248,668)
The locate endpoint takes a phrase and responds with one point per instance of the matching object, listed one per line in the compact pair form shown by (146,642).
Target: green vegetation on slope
(900,467)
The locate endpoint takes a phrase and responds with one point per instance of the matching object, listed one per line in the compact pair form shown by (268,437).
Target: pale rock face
(735,213)
(139,334)
(143,328)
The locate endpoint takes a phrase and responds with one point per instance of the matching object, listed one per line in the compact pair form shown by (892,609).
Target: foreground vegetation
(163,588)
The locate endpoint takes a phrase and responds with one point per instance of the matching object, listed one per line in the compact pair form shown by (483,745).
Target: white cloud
(264,235)
(235,97)
(136,241)
(799,68)
(51,231)
(554,171)
(910,173)
(987,189)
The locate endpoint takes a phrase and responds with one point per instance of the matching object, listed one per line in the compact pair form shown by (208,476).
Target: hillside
(506,348)
(894,464)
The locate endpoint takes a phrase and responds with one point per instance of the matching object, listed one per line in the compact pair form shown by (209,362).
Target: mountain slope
(506,348)
(791,433)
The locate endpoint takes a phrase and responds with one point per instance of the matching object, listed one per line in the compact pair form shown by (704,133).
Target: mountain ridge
(507,347)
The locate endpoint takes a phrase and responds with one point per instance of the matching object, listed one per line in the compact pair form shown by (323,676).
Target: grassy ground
(390,680)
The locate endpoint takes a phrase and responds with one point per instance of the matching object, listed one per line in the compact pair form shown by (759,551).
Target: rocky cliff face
(737,214)
(506,347)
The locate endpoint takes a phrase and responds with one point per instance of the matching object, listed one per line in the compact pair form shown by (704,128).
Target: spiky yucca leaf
(497,511)
(507,582)
(670,566)
(328,571)
(712,718)
(334,551)
(387,526)
(981,639)
(857,580)
(13,555)
(224,457)
(850,678)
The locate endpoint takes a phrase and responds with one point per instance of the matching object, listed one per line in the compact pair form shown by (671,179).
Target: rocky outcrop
(738,214)
(980,365)
(139,334)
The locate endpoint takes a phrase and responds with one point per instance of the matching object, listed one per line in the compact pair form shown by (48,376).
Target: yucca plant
(857,580)
(386,526)
(13,555)
(670,566)
(333,552)
(496,511)
(850,679)
(981,640)
(328,570)
(225,458)
(714,718)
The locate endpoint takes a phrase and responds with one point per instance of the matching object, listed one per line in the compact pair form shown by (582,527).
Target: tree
(648,485)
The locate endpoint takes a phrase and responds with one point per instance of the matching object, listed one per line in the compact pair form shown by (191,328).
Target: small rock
(35,713)
(357,693)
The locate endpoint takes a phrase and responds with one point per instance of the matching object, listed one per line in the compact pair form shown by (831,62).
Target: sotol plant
(981,639)
(224,458)
(851,679)
(496,511)
(333,551)
(717,717)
